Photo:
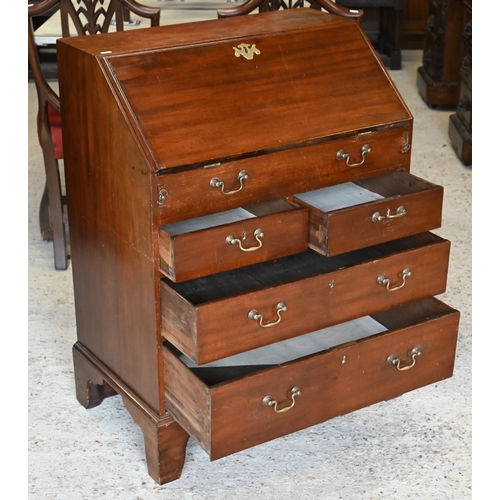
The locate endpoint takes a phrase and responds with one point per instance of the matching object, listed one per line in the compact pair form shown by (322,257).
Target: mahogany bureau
(250,252)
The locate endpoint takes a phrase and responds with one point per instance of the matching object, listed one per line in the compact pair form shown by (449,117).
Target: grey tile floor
(417,446)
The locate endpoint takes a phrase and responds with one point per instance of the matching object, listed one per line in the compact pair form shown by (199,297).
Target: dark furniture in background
(245,114)
(412,23)
(460,125)
(273,5)
(386,37)
(415,13)
(438,77)
(381,21)
(90,18)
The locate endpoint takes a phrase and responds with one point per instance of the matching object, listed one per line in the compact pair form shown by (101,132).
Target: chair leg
(44,216)
(55,212)
(396,51)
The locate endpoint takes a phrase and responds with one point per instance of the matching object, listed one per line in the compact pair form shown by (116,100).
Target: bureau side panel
(110,220)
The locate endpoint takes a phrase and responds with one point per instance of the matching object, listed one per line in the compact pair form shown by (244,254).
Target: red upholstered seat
(56,130)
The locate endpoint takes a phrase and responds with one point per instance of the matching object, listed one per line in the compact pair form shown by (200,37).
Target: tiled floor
(417,446)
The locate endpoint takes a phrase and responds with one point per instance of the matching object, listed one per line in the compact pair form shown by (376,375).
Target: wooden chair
(87,17)
(269,5)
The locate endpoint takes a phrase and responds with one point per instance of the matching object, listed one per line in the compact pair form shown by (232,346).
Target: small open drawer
(254,397)
(232,239)
(358,214)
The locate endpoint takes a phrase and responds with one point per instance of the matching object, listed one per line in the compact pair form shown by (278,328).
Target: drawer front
(277,229)
(271,313)
(231,415)
(410,205)
(220,187)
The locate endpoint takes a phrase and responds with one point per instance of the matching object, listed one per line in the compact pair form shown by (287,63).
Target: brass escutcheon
(162,196)
(246,50)
(406,145)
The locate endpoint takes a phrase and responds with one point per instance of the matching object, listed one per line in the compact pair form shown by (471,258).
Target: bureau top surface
(195,94)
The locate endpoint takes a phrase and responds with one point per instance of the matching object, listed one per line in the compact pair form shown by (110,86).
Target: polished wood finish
(390,24)
(91,18)
(159,125)
(203,252)
(282,173)
(229,416)
(192,313)
(342,230)
(179,131)
(91,387)
(387,39)
(438,77)
(460,125)
(164,440)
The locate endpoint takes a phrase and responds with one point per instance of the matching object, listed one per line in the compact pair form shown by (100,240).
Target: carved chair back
(271,5)
(78,17)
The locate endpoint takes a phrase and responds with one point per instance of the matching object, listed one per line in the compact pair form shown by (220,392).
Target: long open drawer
(228,407)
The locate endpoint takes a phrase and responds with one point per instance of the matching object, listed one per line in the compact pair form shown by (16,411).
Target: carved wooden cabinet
(250,251)
(438,77)
(460,125)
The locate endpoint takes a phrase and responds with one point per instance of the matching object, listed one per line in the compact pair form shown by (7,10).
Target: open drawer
(366,212)
(231,239)
(220,315)
(240,402)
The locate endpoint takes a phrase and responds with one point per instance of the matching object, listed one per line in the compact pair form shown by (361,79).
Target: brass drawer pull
(258,234)
(342,155)
(382,280)
(400,212)
(254,315)
(394,360)
(217,183)
(269,401)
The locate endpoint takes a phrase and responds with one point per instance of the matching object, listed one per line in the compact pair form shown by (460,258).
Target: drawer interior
(288,269)
(363,191)
(349,333)
(238,401)
(227,217)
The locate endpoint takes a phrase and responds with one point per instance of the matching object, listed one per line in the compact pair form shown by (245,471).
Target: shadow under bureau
(250,252)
